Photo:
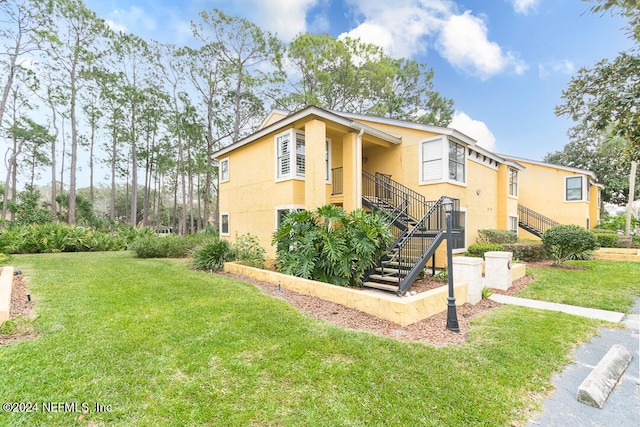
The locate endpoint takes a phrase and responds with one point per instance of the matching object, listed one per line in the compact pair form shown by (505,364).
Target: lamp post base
(452,316)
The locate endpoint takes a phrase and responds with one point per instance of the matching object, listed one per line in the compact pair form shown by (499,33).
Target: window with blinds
(442,160)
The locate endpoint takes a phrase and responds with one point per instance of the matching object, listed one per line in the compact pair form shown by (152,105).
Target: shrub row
(59,237)
(524,251)
(208,251)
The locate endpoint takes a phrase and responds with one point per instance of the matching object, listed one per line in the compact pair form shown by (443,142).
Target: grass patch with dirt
(163,345)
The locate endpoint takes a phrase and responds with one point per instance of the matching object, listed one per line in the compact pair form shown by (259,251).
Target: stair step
(381,286)
(403,265)
(391,279)
(387,270)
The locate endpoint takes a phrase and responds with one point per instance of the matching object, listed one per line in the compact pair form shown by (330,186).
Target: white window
(456,162)
(281,211)
(290,150)
(573,188)
(224,223)
(224,170)
(327,160)
(513,224)
(513,182)
(442,160)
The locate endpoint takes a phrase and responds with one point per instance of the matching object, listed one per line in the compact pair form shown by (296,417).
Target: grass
(601,284)
(163,345)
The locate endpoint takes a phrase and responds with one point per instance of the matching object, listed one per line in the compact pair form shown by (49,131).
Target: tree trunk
(114,140)
(64,148)
(632,191)
(54,207)
(74,147)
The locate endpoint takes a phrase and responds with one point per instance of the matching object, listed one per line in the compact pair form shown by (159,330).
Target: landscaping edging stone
(384,305)
(6,280)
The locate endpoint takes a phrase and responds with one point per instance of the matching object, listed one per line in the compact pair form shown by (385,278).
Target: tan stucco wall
(542,188)
(385,305)
(251,195)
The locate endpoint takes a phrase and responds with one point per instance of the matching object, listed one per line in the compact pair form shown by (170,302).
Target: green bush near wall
(527,251)
(607,240)
(496,236)
(478,250)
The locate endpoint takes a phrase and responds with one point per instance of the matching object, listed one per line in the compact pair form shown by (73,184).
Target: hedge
(496,236)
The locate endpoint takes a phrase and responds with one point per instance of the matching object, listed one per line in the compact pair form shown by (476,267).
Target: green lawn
(163,345)
(602,284)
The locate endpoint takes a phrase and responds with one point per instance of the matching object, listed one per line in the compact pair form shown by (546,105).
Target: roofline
(413,125)
(305,112)
(541,163)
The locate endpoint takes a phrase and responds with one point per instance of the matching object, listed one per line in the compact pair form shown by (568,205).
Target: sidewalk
(622,408)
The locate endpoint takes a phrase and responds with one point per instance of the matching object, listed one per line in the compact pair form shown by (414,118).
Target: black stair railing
(380,190)
(533,221)
(418,226)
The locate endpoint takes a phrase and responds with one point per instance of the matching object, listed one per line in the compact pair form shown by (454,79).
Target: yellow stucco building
(308,158)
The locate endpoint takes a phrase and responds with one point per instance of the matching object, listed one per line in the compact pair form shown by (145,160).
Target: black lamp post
(452,316)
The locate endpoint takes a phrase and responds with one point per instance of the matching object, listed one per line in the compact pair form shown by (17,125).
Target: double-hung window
(224,170)
(224,223)
(442,160)
(513,182)
(290,154)
(573,188)
(456,161)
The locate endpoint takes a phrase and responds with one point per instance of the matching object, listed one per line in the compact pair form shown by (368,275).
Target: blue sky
(503,62)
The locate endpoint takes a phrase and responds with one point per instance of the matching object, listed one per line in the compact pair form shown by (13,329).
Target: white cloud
(287,18)
(116,27)
(565,67)
(413,21)
(524,6)
(476,129)
(460,38)
(135,20)
(464,43)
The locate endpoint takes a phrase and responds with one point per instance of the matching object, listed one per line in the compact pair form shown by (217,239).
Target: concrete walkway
(609,316)
(622,407)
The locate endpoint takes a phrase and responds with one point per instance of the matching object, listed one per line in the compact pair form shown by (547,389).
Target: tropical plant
(330,245)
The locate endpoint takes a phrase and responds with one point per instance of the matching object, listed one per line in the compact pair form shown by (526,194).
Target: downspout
(359,169)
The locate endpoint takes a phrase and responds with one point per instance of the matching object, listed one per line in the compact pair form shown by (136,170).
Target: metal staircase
(534,222)
(418,225)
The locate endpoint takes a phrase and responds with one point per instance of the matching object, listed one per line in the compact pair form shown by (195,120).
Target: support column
(498,270)
(469,270)
(315,182)
(352,171)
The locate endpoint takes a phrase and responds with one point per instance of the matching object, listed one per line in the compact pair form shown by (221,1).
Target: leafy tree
(353,76)
(626,8)
(72,33)
(607,161)
(17,38)
(607,97)
(28,209)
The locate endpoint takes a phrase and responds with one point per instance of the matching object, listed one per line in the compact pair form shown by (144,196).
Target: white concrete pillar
(497,271)
(469,270)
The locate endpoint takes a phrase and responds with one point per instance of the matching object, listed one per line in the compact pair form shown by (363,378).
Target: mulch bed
(432,330)
(21,308)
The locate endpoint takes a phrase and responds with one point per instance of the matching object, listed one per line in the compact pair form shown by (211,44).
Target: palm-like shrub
(212,256)
(330,245)
(569,242)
